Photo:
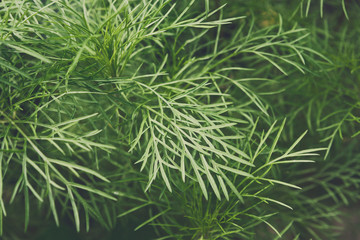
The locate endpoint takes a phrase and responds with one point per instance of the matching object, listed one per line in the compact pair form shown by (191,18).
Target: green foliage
(201,119)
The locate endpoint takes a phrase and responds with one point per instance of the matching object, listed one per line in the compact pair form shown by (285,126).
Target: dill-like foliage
(201,119)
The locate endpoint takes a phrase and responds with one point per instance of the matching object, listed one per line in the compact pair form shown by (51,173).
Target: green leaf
(210,177)
(75,166)
(133,209)
(152,219)
(93,190)
(233,170)
(75,209)
(26,50)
